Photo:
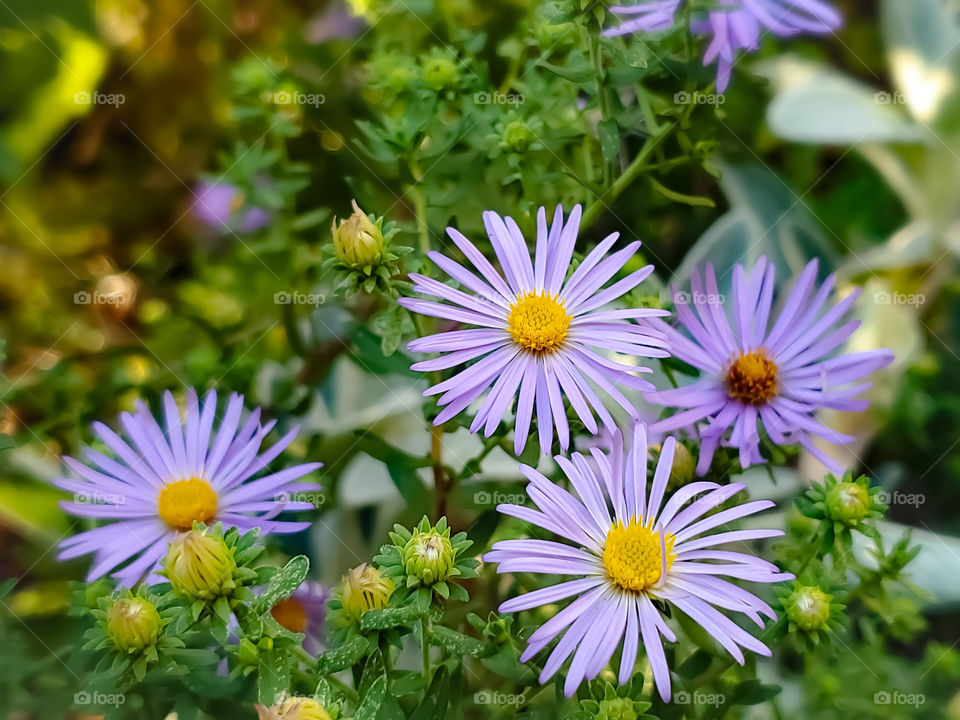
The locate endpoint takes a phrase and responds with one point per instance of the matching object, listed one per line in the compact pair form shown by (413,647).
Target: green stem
(344,688)
(634,169)
(424,634)
(420,207)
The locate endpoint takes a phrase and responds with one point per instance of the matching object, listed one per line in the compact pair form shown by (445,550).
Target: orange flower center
(291,614)
(752,378)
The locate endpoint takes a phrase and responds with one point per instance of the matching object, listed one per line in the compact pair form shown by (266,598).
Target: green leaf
(609,135)
(375,619)
(344,656)
(273,676)
(455,643)
(753,692)
(372,700)
(283,583)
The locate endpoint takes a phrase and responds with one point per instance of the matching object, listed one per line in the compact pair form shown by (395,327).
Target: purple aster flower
(778,376)
(220,206)
(733,25)
(628,547)
(160,481)
(540,334)
(305,612)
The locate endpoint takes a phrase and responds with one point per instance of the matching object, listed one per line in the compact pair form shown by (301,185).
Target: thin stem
(420,207)
(436,453)
(634,169)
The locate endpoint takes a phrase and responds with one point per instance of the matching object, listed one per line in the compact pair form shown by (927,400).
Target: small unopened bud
(364,588)
(133,624)
(200,565)
(808,607)
(848,503)
(440,73)
(294,708)
(684,467)
(517,136)
(428,556)
(617,708)
(357,241)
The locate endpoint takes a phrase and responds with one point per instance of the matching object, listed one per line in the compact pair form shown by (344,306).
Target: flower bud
(808,607)
(428,556)
(364,588)
(200,565)
(294,708)
(357,241)
(617,708)
(684,467)
(440,72)
(517,136)
(848,503)
(133,624)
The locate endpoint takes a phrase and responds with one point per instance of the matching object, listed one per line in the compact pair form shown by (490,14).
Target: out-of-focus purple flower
(753,370)
(733,25)
(334,23)
(221,207)
(632,548)
(157,482)
(305,612)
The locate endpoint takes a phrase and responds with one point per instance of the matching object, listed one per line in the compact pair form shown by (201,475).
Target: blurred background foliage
(121,276)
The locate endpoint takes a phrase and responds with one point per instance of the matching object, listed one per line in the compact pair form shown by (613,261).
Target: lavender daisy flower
(539,334)
(304,612)
(733,25)
(159,483)
(627,548)
(778,376)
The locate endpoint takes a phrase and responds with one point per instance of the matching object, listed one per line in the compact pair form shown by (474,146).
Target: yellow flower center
(752,378)
(291,614)
(538,322)
(185,502)
(631,556)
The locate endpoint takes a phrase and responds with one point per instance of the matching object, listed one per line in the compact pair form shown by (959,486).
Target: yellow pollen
(631,556)
(185,502)
(538,322)
(752,378)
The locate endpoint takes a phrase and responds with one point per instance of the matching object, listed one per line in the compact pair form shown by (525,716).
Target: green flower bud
(357,241)
(364,588)
(440,72)
(808,607)
(200,565)
(848,503)
(294,708)
(428,555)
(617,709)
(517,136)
(684,467)
(133,624)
